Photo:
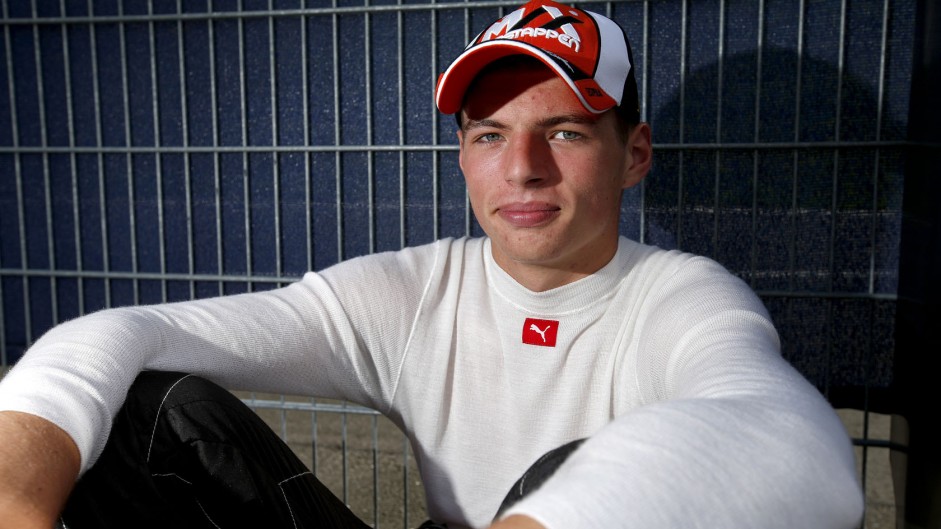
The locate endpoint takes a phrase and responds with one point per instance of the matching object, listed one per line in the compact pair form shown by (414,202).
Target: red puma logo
(540,332)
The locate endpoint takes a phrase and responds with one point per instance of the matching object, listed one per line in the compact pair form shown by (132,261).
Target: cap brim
(453,83)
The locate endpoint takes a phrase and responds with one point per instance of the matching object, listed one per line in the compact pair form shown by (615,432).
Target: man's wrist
(39,463)
(517,521)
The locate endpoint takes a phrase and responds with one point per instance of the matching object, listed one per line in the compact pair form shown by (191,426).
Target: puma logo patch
(540,332)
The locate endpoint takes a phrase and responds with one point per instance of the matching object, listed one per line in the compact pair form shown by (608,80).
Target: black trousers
(185,453)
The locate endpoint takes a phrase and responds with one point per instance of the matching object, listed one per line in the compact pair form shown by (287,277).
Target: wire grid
(171,150)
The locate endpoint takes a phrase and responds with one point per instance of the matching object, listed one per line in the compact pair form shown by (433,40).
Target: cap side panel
(614,63)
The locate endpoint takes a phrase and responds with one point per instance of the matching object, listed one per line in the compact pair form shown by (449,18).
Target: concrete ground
(355,451)
(363,458)
(877,481)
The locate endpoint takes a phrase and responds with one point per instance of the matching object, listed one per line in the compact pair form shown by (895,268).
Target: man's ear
(460,151)
(640,155)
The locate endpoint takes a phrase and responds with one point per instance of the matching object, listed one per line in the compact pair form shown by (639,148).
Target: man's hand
(517,521)
(39,463)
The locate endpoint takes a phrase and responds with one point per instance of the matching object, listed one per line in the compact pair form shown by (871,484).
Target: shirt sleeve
(300,339)
(730,434)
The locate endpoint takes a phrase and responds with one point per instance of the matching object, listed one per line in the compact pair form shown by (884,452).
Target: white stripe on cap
(613,63)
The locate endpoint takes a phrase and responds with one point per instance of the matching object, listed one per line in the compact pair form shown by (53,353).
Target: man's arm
(730,434)
(294,340)
(39,463)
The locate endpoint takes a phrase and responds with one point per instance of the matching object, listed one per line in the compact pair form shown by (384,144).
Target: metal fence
(167,150)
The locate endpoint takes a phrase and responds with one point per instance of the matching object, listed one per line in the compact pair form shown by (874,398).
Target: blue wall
(152,153)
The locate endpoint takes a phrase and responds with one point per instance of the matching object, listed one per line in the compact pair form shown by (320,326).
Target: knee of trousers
(538,473)
(180,407)
(193,438)
(151,434)
(164,409)
(156,390)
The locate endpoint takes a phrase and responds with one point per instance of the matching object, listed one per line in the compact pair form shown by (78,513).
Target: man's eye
(567,135)
(489,137)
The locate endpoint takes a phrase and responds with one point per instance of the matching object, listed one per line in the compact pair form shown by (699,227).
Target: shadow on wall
(774,172)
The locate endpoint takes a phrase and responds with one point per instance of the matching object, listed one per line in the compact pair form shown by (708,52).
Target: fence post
(918,336)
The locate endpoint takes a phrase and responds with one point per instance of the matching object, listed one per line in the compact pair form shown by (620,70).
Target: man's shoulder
(401,277)
(411,258)
(651,259)
(446,246)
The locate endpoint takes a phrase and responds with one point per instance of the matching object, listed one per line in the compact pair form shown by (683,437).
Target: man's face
(544,175)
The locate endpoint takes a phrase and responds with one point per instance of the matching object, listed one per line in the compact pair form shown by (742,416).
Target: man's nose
(528,160)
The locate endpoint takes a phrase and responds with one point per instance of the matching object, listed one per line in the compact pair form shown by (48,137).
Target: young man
(487,352)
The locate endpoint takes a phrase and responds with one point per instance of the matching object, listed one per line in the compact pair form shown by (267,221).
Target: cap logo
(515,26)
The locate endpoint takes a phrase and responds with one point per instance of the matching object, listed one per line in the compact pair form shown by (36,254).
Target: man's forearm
(39,463)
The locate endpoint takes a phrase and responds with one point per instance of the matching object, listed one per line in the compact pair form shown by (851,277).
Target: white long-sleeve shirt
(665,361)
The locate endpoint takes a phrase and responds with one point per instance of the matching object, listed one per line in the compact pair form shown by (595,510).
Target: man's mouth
(528,214)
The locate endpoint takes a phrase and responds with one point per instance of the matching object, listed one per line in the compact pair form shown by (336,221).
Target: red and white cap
(590,52)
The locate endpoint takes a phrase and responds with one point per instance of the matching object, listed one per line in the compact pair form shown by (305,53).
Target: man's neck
(543,277)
